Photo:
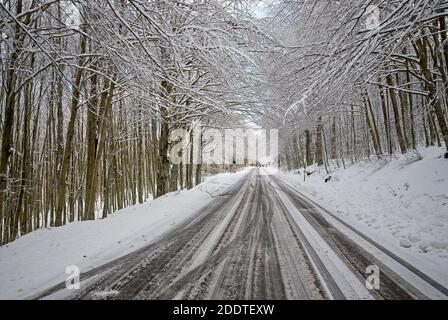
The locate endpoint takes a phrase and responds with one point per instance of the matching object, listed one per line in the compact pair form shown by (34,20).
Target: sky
(261,10)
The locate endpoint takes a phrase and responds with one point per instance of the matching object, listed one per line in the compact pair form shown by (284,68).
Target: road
(261,239)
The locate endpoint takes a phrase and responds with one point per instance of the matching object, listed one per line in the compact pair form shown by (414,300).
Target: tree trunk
(393,98)
(431,88)
(319,149)
(62,186)
(309,156)
(386,119)
(92,144)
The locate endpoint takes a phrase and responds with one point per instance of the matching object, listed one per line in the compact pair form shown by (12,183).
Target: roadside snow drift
(39,259)
(403,201)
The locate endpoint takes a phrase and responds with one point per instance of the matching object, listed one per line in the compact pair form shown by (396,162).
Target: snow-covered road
(261,239)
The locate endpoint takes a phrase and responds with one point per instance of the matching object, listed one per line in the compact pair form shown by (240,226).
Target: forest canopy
(91,91)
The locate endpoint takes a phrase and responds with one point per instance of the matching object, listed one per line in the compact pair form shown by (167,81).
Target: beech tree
(371,75)
(91,90)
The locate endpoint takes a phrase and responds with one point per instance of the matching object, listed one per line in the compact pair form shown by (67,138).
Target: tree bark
(319,147)
(393,98)
(62,186)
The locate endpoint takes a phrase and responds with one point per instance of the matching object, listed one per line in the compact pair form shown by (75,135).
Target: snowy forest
(91,90)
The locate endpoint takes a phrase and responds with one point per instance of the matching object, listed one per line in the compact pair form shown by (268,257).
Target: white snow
(347,281)
(207,247)
(107,293)
(402,202)
(38,260)
(266,171)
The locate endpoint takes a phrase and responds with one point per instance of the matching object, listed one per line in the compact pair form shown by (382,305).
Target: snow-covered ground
(39,260)
(401,201)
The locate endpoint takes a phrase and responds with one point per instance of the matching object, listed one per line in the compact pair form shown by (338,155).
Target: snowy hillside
(403,200)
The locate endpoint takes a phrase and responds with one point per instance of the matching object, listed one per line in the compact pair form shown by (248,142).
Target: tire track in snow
(399,279)
(239,248)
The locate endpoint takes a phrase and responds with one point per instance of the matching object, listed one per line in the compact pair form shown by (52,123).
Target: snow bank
(403,201)
(38,260)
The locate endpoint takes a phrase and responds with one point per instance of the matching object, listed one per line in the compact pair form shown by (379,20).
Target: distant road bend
(261,239)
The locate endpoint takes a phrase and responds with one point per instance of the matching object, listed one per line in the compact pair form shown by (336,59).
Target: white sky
(261,10)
